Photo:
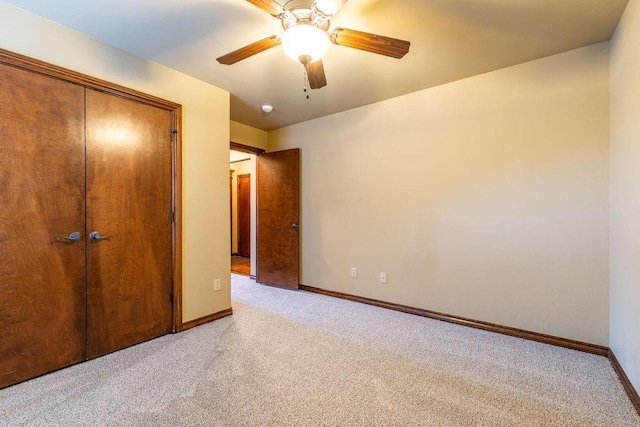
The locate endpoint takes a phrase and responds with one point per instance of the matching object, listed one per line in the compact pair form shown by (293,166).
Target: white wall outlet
(383,277)
(354,272)
(217,284)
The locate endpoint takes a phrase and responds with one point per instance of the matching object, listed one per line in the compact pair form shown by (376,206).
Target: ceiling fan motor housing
(304,15)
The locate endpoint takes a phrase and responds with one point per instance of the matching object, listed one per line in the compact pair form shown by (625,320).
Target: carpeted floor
(240,265)
(290,358)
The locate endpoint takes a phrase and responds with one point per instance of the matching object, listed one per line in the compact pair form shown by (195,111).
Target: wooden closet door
(129,203)
(42,187)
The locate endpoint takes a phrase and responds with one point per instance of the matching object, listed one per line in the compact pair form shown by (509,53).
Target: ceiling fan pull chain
(306,83)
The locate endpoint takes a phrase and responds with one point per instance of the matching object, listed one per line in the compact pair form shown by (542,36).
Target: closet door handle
(96,236)
(76,236)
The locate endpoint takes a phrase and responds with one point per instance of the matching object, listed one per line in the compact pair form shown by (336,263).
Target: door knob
(76,236)
(294,225)
(96,236)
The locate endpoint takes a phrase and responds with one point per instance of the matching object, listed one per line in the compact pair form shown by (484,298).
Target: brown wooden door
(231,211)
(128,197)
(277,222)
(244,215)
(42,284)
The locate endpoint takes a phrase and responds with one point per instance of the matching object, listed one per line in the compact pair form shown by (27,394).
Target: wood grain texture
(278,176)
(269,6)
(41,67)
(231,171)
(244,215)
(129,189)
(42,292)
(42,128)
(245,148)
(249,50)
(315,73)
(626,383)
(394,48)
(206,319)
(491,327)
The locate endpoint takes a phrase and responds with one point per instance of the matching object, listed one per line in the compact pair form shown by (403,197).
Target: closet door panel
(129,184)
(42,195)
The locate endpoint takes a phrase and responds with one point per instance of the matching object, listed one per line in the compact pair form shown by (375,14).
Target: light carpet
(290,358)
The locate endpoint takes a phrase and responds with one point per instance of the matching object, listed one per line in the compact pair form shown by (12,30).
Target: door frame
(23,62)
(246,148)
(258,152)
(251,150)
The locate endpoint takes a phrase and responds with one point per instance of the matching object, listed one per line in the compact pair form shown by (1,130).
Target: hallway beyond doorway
(241,265)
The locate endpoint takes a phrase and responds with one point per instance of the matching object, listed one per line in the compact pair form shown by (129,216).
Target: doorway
(242,188)
(272,181)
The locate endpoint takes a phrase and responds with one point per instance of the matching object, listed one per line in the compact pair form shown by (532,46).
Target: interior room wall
(248,135)
(205,142)
(486,198)
(625,203)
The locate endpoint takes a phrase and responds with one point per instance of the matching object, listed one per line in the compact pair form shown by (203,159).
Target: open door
(278,177)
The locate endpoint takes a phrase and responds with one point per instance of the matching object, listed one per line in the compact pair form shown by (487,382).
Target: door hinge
(172,217)
(171,297)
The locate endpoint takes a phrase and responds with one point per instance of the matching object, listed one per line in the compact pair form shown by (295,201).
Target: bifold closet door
(129,187)
(42,199)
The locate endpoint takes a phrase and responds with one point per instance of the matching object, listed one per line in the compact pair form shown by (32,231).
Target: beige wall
(485,198)
(205,141)
(247,135)
(625,202)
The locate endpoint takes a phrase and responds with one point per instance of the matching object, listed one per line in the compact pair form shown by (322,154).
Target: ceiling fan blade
(249,50)
(374,43)
(315,73)
(269,6)
(329,7)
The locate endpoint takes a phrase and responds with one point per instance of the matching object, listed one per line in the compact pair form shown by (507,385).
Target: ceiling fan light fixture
(305,41)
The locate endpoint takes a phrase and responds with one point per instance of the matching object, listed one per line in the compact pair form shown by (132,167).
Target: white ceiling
(450,40)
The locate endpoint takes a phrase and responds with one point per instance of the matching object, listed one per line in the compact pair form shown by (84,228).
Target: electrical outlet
(354,272)
(383,277)
(217,284)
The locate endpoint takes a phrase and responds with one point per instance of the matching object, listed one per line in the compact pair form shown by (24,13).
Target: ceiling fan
(306,37)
